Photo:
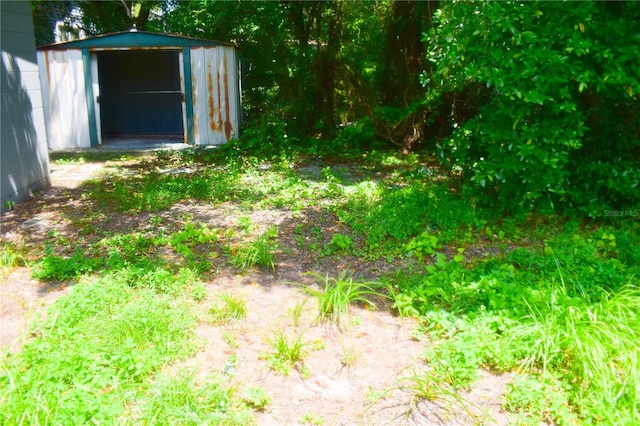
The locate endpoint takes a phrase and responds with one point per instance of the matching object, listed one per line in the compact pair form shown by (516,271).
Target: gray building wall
(24,159)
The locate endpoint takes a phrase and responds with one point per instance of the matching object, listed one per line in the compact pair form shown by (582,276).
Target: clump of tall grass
(595,346)
(337,294)
(11,256)
(259,252)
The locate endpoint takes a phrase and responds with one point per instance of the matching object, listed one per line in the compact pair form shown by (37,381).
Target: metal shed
(138,85)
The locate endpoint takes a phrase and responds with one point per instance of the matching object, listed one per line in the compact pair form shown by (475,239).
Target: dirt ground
(346,371)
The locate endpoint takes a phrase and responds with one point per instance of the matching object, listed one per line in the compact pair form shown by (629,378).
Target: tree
(553,72)
(45,16)
(94,17)
(400,117)
(290,51)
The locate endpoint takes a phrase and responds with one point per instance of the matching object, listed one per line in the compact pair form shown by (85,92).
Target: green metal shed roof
(128,39)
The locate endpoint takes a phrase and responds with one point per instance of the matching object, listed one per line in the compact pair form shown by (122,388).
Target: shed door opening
(140,94)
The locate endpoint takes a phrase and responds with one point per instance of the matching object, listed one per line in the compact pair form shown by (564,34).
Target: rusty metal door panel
(232,92)
(65,102)
(215,106)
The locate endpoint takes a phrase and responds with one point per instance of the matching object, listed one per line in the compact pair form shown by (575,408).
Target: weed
(185,240)
(348,353)
(228,308)
(455,361)
(312,419)
(423,387)
(53,267)
(424,244)
(11,256)
(340,243)
(285,353)
(230,339)
(245,224)
(256,397)
(337,294)
(541,398)
(296,312)
(155,221)
(229,367)
(260,252)
(179,400)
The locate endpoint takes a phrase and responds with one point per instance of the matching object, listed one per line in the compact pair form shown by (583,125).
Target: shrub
(556,88)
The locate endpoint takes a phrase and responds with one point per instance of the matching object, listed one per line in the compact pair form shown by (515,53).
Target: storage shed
(137,85)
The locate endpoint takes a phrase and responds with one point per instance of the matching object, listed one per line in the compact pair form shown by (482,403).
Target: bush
(561,81)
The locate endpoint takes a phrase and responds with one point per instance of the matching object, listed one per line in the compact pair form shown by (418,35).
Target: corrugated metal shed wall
(65,98)
(214,73)
(212,118)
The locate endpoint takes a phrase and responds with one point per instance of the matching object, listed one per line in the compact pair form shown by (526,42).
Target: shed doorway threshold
(143,143)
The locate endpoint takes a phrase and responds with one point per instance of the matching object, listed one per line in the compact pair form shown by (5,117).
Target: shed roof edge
(135,39)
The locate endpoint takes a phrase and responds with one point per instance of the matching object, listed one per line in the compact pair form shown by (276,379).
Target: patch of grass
(63,158)
(337,294)
(11,256)
(121,251)
(595,345)
(154,191)
(228,308)
(53,267)
(286,353)
(179,400)
(259,252)
(568,308)
(424,387)
(94,354)
(390,218)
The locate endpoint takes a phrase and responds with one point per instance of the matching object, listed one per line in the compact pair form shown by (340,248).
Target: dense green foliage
(92,359)
(535,104)
(554,90)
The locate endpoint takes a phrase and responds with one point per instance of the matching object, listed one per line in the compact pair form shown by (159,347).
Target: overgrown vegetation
(95,356)
(554,299)
(532,104)
(479,159)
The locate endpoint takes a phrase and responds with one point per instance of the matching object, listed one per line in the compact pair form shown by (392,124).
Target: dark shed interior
(140,94)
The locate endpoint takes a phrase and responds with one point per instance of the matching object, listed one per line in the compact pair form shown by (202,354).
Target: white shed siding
(65,99)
